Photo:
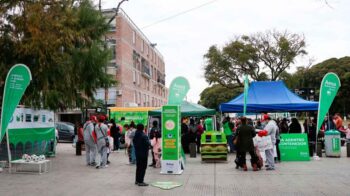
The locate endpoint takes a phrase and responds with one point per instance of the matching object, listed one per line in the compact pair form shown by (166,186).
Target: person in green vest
(208,123)
(228,126)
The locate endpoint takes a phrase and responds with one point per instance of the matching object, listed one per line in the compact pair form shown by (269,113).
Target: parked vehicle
(65,131)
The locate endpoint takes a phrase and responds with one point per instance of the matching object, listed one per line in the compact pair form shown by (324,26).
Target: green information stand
(294,147)
(213,146)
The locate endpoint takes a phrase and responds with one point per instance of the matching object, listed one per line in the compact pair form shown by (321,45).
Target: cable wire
(179,14)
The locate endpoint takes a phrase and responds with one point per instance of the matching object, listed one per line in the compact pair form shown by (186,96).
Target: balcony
(160,78)
(146,71)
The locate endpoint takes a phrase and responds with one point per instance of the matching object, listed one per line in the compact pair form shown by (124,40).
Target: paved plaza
(70,176)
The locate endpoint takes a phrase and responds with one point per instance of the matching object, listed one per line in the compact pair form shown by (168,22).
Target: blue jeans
(230,142)
(133,156)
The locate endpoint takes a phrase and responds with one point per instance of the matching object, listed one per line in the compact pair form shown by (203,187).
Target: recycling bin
(332,143)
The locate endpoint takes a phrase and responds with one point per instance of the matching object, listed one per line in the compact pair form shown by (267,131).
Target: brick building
(136,64)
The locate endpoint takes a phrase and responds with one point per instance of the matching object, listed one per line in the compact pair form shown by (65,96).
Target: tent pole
(214,122)
(8,150)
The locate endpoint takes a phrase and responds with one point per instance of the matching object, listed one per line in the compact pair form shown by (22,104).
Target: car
(65,131)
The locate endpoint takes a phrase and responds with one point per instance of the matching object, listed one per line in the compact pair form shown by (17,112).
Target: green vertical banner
(171,132)
(178,90)
(329,87)
(172,162)
(246,87)
(17,81)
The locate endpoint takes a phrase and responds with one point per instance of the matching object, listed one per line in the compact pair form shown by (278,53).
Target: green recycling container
(332,143)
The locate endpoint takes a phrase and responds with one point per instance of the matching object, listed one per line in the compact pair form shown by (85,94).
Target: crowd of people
(102,137)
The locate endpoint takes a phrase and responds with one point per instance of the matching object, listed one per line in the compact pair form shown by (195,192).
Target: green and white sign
(172,155)
(294,147)
(32,132)
(171,132)
(17,81)
(178,90)
(166,185)
(329,87)
(171,145)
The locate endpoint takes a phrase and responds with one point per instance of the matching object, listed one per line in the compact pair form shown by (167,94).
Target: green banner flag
(17,80)
(246,87)
(329,87)
(178,90)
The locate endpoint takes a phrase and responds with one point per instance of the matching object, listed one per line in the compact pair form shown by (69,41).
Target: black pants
(116,143)
(242,160)
(78,147)
(153,160)
(278,150)
(141,166)
(198,143)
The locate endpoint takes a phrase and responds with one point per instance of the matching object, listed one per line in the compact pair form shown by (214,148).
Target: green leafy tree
(60,41)
(213,96)
(262,56)
(312,77)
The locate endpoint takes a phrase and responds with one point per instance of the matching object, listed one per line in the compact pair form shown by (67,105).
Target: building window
(133,37)
(135,96)
(139,99)
(134,76)
(111,44)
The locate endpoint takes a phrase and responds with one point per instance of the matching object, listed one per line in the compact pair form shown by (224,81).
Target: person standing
(90,144)
(80,140)
(141,145)
(115,134)
(131,135)
(295,127)
(245,134)
(200,131)
(152,133)
(228,126)
(156,148)
(101,135)
(283,126)
(271,129)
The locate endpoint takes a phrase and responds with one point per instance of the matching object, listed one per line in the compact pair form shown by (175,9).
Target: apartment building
(136,64)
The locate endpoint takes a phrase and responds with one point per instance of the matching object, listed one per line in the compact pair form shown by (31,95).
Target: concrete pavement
(70,176)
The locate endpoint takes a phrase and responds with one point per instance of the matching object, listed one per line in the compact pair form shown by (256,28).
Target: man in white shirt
(271,128)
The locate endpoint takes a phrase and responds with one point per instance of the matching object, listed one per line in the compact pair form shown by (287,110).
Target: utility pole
(109,22)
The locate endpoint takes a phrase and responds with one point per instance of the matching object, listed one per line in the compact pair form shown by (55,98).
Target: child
(156,143)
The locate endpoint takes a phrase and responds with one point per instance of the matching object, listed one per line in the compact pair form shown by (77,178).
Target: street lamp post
(110,20)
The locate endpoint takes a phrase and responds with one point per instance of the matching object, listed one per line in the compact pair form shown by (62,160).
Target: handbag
(106,138)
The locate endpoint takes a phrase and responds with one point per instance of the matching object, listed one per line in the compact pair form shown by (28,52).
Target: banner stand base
(172,167)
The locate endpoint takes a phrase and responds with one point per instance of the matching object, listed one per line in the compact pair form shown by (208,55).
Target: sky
(183,40)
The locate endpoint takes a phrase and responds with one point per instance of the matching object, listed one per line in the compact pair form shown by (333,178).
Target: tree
(273,51)
(213,96)
(312,77)
(60,41)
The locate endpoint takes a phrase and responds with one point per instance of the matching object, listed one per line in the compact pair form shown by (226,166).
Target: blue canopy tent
(269,96)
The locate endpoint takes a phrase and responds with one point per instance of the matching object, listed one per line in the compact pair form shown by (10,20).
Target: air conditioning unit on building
(119,92)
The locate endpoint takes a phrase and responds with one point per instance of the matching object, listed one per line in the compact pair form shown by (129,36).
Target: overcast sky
(183,40)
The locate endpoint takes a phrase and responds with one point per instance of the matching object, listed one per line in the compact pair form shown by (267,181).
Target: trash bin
(348,148)
(332,143)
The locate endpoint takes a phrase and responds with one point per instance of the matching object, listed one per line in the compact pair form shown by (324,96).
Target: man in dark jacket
(245,134)
(141,145)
